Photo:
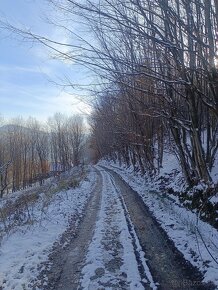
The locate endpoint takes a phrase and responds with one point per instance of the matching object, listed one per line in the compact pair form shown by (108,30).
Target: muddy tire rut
(168,266)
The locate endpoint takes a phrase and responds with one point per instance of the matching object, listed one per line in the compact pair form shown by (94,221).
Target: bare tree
(76,131)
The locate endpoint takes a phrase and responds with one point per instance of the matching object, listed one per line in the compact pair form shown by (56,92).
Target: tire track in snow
(140,255)
(166,263)
(115,259)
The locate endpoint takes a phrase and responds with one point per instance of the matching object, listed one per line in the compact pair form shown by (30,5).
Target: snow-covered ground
(197,240)
(111,262)
(24,248)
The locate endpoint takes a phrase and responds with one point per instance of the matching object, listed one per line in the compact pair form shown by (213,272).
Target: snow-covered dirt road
(115,259)
(119,245)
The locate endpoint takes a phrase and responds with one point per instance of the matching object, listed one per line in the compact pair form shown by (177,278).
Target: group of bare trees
(158,62)
(157,66)
(30,151)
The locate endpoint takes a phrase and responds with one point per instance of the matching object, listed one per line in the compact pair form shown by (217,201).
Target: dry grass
(20,211)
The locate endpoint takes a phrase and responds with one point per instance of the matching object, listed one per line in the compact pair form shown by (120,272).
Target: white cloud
(40,103)
(44,70)
(65,103)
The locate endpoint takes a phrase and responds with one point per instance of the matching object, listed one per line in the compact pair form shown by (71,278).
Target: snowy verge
(29,245)
(195,239)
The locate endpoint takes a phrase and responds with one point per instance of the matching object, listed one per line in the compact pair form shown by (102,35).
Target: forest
(30,152)
(160,63)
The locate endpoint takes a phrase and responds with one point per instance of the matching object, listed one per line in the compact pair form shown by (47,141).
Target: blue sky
(27,71)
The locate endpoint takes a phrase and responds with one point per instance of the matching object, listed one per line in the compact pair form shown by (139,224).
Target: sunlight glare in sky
(27,71)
